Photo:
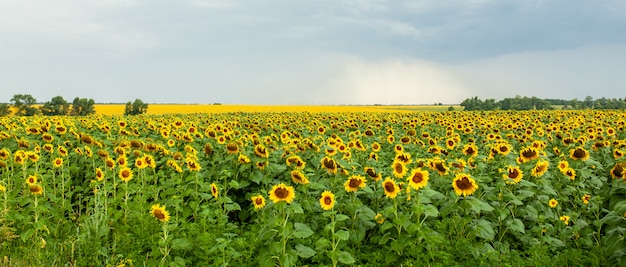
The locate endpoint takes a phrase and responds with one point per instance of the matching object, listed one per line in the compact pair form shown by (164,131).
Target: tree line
(530,103)
(24,105)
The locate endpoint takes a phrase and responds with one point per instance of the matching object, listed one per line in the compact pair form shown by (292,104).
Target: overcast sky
(312,52)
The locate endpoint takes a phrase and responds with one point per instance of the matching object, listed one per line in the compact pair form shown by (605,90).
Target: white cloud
(396,82)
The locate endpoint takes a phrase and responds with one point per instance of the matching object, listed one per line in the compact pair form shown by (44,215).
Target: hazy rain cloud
(311,52)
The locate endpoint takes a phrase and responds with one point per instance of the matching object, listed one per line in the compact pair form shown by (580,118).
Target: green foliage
(23,105)
(5,109)
(82,107)
(57,106)
(136,108)
(532,103)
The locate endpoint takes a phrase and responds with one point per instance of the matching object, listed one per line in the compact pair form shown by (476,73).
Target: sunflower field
(426,188)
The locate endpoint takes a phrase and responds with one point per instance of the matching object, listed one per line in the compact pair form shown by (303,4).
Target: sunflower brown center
(389,187)
(281,193)
(371,173)
(579,153)
(158,214)
(417,178)
(439,166)
(354,183)
(514,173)
(529,153)
(464,183)
(258,201)
(328,201)
(398,168)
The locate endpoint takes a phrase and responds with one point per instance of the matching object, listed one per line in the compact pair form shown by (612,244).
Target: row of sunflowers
(314,188)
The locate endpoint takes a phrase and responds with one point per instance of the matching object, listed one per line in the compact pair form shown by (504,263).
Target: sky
(311,52)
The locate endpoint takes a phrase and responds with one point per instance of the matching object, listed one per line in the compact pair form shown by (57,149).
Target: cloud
(394,82)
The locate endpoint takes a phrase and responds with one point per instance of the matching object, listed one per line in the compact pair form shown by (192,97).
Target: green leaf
(302,231)
(296,208)
(484,230)
(304,251)
(321,244)
(430,211)
(233,184)
(345,257)
(516,225)
(341,217)
(181,244)
(342,235)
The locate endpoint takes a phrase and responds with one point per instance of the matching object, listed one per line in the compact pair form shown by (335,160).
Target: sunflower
(243,159)
(282,192)
(35,189)
(418,178)
(232,148)
(553,203)
(109,162)
(579,153)
(514,173)
(585,198)
(99,174)
(125,174)
(563,164)
(3,188)
(571,173)
(31,180)
(528,154)
(565,219)
(379,218)
(391,188)
(470,150)
(438,165)
(329,165)
(375,147)
(618,153)
(159,212)
(540,168)
(261,165)
(299,177)
(618,170)
(327,201)
(261,151)
(121,161)
(464,184)
(405,158)
(214,190)
(62,151)
(353,183)
(193,165)
(140,163)
(399,169)
(57,162)
(371,173)
(258,201)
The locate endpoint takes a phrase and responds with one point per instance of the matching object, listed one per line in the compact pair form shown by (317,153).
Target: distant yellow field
(118,109)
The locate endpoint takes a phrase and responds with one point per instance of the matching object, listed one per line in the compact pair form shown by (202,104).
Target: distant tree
(136,108)
(55,107)
(82,107)
(4,109)
(451,108)
(23,105)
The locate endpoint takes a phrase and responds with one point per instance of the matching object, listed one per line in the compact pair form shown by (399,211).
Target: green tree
(4,109)
(24,105)
(82,107)
(57,106)
(135,108)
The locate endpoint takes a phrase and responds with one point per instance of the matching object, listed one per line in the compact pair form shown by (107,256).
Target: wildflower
(327,201)
(390,187)
(379,218)
(418,178)
(258,201)
(586,198)
(353,183)
(160,213)
(214,190)
(282,192)
(553,203)
(565,219)
(464,185)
